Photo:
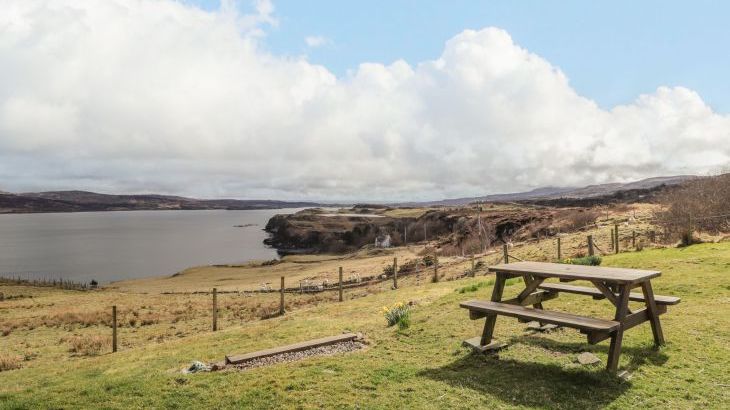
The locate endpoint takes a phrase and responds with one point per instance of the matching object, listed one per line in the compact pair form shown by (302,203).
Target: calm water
(109,246)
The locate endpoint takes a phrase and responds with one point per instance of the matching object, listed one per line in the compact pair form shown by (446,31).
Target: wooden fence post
(114,328)
(395,273)
(652,236)
(615,233)
(215,309)
(340,283)
(633,239)
(590,245)
(610,231)
(505,254)
(281,302)
(473,268)
(435,269)
(560,256)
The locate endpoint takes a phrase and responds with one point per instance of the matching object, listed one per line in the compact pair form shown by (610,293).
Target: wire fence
(426,268)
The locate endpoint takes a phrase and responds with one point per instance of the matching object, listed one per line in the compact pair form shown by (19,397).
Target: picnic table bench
(614,284)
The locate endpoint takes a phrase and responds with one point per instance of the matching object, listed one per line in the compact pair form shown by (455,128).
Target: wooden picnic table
(614,284)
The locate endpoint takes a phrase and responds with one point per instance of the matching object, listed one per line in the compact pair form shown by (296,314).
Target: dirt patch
(337,348)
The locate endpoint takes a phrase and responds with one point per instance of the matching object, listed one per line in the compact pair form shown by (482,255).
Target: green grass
(425,366)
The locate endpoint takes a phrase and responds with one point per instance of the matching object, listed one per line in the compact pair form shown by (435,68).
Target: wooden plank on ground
(296,347)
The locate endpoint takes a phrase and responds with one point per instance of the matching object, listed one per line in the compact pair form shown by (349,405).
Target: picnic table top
(577,272)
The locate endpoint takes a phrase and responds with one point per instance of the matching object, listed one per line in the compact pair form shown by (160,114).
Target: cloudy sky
(405,101)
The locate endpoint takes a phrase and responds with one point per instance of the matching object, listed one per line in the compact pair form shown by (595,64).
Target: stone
(625,375)
(533,325)
(548,327)
(587,358)
(492,347)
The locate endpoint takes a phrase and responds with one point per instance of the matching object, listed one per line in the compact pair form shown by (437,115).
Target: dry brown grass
(699,205)
(578,218)
(9,362)
(88,345)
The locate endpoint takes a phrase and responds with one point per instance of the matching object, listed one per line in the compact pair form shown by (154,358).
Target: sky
(331,100)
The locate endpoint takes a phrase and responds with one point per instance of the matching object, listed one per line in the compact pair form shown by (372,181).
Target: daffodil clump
(586,260)
(399,313)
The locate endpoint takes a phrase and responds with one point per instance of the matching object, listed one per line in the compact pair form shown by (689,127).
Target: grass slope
(425,366)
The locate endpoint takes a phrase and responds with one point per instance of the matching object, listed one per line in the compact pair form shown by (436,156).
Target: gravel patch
(328,350)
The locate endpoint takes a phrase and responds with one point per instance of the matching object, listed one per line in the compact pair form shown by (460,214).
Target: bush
(429,260)
(9,362)
(409,266)
(586,260)
(579,218)
(388,270)
(399,313)
(698,205)
(88,345)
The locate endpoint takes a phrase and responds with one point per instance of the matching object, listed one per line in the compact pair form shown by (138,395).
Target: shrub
(586,260)
(9,362)
(698,205)
(409,266)
(429,260)
(580,218)
(388,270)
(399,313)
(88,345)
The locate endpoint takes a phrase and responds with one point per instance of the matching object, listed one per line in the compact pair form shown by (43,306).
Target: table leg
(656,326)
(614,351)
(492,319)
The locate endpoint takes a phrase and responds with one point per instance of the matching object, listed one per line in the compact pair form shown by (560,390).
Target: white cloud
(317,41)
(132,96)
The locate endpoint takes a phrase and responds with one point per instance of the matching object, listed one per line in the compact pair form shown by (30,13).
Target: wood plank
(533,298)
(614,350)
(530,287)
(497,292)
(605,291)
(547,316)
(578,272)
(588,291)
(296,347)
(656,326)
(630,321)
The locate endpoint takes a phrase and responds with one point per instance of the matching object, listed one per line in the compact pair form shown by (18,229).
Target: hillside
(83,201)
(607,190)
(423,366)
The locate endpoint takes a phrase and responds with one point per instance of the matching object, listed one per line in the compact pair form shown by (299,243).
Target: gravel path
(343,347)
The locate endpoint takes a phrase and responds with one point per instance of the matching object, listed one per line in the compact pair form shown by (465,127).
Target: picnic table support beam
(656,326)
(614,350)
(606,291)
(492,319)
(531,285)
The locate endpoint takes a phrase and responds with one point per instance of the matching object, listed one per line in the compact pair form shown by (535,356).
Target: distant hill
(83,201)
(568,193)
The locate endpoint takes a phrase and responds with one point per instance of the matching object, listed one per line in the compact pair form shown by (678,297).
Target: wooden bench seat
(596,294)
(583,323)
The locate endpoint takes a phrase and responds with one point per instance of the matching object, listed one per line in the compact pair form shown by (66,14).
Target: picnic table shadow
(544,385)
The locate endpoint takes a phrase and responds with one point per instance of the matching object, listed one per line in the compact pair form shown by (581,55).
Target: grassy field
(423,366)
